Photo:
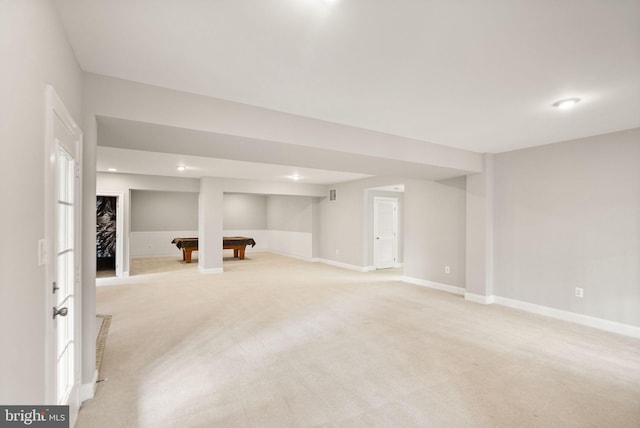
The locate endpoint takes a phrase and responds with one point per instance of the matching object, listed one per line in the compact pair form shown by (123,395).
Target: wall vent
(332,195)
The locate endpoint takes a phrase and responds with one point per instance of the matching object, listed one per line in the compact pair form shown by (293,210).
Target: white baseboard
(341,265)
(293,256)
(478,298)
(586,320)
(210,270)
(435,285)
(88,390)
(599,323)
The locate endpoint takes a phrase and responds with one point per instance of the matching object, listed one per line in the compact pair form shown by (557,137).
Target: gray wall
(34,52)
(268,212)
(435,230)
(163,211)
(244,211)
(290,213)
(567,215)
(316,230)
(342,224)
(433,225)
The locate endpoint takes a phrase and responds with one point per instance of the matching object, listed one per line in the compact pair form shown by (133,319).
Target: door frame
(119,223)
(377,199)
(56,108)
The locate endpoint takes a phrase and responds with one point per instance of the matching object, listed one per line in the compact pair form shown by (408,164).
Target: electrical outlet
(579,292)
(447,269)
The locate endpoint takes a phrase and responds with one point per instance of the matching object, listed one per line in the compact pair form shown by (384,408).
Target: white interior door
(64,312)
(63,256)
(385,230)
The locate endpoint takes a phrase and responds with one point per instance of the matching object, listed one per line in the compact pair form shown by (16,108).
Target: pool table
(235,243)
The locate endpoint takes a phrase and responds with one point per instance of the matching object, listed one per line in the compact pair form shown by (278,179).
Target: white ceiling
(477,75)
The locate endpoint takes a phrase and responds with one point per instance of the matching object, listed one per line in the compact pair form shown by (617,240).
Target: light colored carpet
(278,342)
(105,273)
(147,265)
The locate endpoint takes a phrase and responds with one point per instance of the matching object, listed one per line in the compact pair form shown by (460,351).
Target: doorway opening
(106,236)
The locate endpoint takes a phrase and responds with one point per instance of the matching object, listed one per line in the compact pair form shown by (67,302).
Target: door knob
(62,312)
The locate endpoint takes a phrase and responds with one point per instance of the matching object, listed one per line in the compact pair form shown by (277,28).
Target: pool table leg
(187,255)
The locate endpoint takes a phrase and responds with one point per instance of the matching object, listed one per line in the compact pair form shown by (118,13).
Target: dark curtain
(105,226)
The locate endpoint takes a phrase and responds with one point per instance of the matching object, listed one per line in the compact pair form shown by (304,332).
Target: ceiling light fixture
(181,168)
(567,103)
(112,169)
(295,177)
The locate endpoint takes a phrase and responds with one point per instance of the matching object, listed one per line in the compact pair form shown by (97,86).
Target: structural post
(210,225)
(479,252)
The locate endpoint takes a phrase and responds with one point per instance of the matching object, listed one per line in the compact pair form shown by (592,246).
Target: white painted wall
(157,243)
(567,215)
(34,52)
(282,224)
(245,211)
(290,213)
(435,231)
(343,226)
(155,210)
(292,244)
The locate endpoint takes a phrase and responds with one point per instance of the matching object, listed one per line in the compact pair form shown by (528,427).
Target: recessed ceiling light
(181,168)
(112,169)
(567,103)
(295,177)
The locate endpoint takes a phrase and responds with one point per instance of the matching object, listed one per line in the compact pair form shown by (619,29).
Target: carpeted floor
(278,342)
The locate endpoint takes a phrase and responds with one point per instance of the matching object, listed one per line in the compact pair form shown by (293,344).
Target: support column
(479,253)
(210,216)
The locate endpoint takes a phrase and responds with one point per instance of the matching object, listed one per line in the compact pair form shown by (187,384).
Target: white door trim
(56,108)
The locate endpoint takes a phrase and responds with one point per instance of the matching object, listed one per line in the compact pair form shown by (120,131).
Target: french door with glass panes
(63,220)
